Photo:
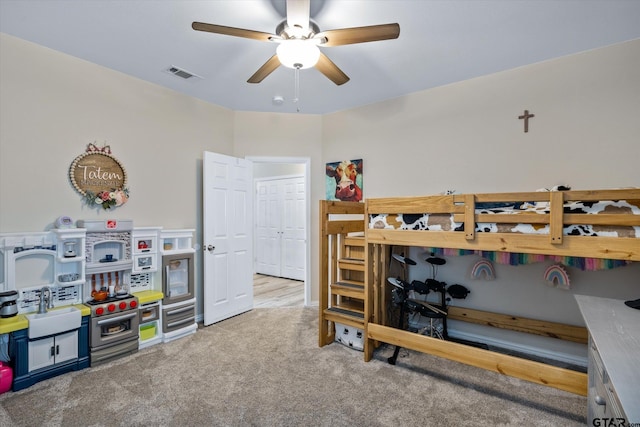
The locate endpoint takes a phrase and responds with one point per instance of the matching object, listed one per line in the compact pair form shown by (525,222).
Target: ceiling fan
(298,39)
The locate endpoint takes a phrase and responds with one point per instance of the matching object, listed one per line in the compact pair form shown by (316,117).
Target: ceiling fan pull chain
(296,88)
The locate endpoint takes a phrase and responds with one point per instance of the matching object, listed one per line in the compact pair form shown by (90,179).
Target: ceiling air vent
(184,74)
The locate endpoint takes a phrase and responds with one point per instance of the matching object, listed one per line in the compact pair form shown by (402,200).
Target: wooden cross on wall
(526,116)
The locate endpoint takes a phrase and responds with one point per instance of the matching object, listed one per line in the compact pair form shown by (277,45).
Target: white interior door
(228,238)
(268,228)
(293,230)
(281,227)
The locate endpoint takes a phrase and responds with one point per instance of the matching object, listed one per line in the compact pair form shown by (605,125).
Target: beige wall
(53,105)
(464,136)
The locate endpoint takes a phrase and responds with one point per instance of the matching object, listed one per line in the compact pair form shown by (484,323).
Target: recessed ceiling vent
(182,73)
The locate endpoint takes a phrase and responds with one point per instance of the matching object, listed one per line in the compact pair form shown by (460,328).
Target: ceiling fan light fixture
(297,53)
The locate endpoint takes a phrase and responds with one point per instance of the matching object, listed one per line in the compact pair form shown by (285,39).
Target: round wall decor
(99,177)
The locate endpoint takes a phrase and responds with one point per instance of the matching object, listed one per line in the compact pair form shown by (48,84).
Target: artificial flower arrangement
(108,199)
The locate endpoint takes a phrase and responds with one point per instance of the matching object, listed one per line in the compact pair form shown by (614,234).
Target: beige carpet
(264,368)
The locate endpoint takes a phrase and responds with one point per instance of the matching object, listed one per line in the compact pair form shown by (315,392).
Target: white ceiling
(441,42)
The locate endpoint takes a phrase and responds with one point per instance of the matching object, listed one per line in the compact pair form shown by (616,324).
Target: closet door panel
(293,230)
(268,220)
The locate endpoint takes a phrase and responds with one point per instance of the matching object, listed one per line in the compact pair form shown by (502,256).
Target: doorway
(276,168)
(280,233)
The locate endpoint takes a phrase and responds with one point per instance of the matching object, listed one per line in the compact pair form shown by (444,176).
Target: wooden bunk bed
(465,222)
(475,222)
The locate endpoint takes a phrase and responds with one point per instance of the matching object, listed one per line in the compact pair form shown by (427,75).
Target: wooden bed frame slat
(534,196)
(631,194)
(343,227)
(578,246)
(431,204)
(345,208)
(542,196)
(540,373)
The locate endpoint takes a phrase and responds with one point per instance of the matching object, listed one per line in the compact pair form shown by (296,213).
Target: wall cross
(526,116)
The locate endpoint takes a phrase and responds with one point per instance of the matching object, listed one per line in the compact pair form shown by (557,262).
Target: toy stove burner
(113,305)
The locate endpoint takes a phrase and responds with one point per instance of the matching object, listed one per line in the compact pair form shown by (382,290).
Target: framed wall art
(344,180)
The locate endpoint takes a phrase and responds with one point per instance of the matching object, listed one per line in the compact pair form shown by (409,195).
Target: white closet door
(293,232)
(280,228)
(268,228)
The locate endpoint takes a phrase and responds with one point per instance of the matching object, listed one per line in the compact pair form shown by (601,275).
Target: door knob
(211,248)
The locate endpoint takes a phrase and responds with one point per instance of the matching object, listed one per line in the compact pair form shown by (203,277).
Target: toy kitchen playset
(75,297)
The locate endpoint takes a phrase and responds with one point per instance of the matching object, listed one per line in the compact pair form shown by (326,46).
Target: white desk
(614,328)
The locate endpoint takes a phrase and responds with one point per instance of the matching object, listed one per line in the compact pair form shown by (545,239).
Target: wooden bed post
(323,297)
(370,294)
(371,275)
(556,223)
(469,216)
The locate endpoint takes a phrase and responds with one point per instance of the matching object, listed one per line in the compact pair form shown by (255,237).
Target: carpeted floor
(264,368)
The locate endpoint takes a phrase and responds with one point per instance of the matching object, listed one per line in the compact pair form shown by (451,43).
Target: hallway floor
(269,291)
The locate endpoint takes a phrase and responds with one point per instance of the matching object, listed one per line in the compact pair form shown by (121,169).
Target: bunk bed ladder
(342,268)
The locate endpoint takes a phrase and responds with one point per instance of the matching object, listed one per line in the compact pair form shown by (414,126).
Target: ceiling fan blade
(360,34)
(266,69)
(233,31)
(331,70)
(298,13)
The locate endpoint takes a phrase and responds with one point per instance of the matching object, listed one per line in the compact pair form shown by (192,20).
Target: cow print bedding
(444,222)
